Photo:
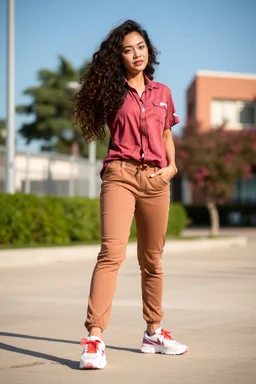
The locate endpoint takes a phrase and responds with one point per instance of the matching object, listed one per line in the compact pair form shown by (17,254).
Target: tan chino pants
(128,191)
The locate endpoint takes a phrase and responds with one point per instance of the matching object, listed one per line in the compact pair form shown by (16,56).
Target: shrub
(28,219)
(177,219)
(82,218)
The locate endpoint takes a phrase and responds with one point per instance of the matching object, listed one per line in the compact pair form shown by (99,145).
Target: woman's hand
(167,172)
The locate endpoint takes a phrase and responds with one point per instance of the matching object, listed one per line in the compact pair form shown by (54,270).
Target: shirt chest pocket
(159,111)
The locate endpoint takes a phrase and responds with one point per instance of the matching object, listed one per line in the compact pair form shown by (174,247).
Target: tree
(52,108)
(2,132)
(213,161)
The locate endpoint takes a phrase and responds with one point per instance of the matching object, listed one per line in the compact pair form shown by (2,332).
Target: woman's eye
(127,51)
(142,46)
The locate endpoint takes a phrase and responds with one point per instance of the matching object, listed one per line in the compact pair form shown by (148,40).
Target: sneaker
(162,342)
(93,356)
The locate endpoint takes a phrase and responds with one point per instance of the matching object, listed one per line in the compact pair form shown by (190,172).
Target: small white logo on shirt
(162,104)
(175,114)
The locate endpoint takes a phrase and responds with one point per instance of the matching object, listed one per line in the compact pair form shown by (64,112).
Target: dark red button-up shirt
(136,129)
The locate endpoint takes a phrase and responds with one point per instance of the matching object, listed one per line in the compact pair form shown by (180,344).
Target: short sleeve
(172,116)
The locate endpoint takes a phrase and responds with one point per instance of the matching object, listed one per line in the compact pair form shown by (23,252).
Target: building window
(235,114)
(247,115)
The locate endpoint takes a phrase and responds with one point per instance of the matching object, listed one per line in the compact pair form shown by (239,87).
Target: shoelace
(92,345)
(166,334)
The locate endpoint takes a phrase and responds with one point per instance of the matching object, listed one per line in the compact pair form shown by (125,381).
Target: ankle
(151,328)
(95,331)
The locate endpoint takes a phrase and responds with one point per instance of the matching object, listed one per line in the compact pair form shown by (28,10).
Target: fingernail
(152,175)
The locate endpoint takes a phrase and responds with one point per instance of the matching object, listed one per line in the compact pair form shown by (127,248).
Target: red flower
(228,157)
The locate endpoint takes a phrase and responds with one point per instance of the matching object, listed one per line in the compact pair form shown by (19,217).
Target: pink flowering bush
(213,161)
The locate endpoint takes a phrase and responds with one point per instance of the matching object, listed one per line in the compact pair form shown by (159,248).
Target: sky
(191,35)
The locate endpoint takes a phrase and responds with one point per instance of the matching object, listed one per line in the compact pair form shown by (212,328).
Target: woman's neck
(136,81)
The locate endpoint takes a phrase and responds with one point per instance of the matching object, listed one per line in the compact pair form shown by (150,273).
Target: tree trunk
(214,218)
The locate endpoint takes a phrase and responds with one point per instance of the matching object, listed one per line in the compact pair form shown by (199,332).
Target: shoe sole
(90,365)
(153,350)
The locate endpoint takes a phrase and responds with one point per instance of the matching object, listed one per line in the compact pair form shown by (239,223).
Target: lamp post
(74,86)
(10,91)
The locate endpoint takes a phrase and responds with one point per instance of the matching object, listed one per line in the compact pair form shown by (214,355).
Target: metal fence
(53,174)
(45,174)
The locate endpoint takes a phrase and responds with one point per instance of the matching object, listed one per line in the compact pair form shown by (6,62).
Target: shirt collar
(150,84)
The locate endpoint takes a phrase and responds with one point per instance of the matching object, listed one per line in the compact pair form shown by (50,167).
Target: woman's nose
(136,54)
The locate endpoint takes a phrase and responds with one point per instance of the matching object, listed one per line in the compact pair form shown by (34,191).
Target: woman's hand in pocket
(167,173)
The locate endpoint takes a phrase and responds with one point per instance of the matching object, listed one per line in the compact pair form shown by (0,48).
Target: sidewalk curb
(31,256)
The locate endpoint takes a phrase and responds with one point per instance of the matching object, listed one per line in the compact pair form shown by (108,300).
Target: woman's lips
(138,62)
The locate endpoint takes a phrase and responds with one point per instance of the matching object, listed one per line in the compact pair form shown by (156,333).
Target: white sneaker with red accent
(162,342)
(93,356)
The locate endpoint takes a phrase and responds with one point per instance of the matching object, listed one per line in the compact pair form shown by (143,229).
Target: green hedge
(28,220)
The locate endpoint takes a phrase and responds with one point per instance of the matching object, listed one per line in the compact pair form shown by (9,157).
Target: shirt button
(143,109)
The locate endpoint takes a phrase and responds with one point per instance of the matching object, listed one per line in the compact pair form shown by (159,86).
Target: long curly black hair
(103,87)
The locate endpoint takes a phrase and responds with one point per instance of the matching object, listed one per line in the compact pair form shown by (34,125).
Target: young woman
(118,91)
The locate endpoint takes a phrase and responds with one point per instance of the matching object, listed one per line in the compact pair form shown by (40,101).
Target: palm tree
(52,108)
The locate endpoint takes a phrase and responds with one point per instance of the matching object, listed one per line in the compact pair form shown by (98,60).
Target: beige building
(217,97)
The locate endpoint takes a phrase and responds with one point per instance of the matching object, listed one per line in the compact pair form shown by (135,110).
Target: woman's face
(134,53)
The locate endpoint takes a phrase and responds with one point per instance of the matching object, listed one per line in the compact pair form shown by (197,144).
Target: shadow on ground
(67,362)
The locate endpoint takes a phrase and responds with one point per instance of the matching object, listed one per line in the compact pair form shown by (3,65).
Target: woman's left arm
(170,149)
(171,169)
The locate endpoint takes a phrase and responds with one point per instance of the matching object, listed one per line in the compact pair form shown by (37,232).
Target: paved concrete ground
(209,304)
